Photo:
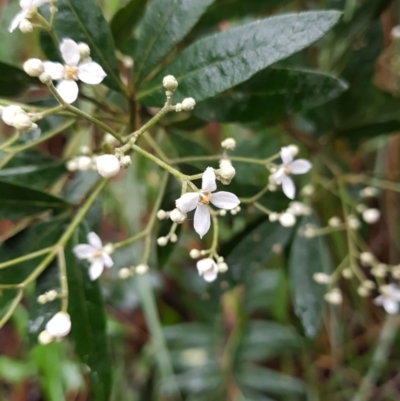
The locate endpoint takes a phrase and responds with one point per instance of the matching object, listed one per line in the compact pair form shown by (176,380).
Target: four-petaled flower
(200,201)
(88,72)
(389,298)
(290,166)
(208,269)
(94,253)
(28,8)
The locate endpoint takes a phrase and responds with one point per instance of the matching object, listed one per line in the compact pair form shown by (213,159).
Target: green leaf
(13,81)
(308,256)
(226,59)
(164,25)
(83,21)
(17,201)
(271,94)
(125,20)
(86,308)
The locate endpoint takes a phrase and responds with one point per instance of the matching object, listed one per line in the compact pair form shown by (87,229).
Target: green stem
(63,279)
(263,208)
(130,240)
(10,141)
(255,197)
(12,307)
(24,258)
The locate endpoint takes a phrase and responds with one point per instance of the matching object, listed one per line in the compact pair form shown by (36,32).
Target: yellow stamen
(71,72)
(204,198)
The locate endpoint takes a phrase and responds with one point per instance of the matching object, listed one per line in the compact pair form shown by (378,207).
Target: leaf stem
(24,258)
(12,307)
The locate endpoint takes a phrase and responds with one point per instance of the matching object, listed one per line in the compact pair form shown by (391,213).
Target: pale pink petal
(16,20)
(55,70)
(108,262)
(202,221)
(278,176)
(224,200)
(288,187)
(208,183)
(379,300)
(391,306)
(68,90)
(187,202)
(84,251)
(70,52)
(300,166)
(94,240)
(26,4)
(96,268)
(91,73)
(210,275)
(286,155)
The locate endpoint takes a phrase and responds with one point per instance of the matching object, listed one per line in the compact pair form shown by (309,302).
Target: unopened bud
(222,267)
(23,122)
(59,325)
(9,113)
(45,78)
(371,216)
(367,258)
(273,217)
(308,190)
(188,104)
(322,278)
(162,241)
(45,337)
(287,219)
(25,26)
(110,139)
(84,163)
(42,299)
(177,216)
(109,248)
(178,107)
(226,171)
(334,297)
(142,269)
(173,237)
(228,144)
(170,83)
(126,161)
(34,67)
(52,295)
(162,214)
(294,149)
(347,273)
(84,51)
(334,222)
(124,273)
(363,291)
(353,222)
(194,253)
(108,165)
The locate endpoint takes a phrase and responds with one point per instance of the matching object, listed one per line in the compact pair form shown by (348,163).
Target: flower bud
(142,269)
(334,222)
(173,237)
(111,140)
(222,212)
(84,50)
(363,292)
(361,207)
(124,273)
(287,219)
(222,267)
(45,78)
(42,299)
(371,216)
(294,149)
(380,270)
(162,241)
(188,104)
(194,253)
(369,192)
(273,217)
(353,222)
(368,284)
(72,165)
(177,216)
(396,32)
(322,278)
(170,83)
(228,144)
(178,107)
(84,163)
(45,337)
(9,113)
(347,273)
(59,325)
(51,295)
(308,190)
(23,122)
(25,26)
(310,231)
(367,258)
(109,248)
(34,67)
(126,161)
(108,165)
(334,297)
(162,214)
(226,171)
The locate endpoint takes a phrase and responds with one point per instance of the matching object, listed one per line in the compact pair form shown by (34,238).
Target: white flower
(199,201)
(108,165)
(188,104)
(228,144)
(28,9)
(226,171)
(16,117)
(84,163)
(298,209)
(371,216)
(88,72)
(170,83)
(287,219)
(59,325)
(177,216)
(389,298)
(94,252)
(334,297)
(290,166)
(208,269)
(33,67)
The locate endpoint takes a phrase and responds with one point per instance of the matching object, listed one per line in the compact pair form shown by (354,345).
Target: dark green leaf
(125,20)
(308,256)
(13,81)
(164,25)
(17,201)
(370,130)
(226,59)
(271,94)
(86,309)
(83,21)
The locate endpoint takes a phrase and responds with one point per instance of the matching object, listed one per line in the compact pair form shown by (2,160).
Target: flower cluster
(56,329)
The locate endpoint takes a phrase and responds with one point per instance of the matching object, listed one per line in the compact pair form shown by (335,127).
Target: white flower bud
(194,253)
(222,267)
(369,192)
(371,216)
(367,258)
(84,163)
(228,144)
(380,270)
(363,292)
(287,219)
(347,273)
(396,32)
(72,165)
(162,241)
(322,278)
(110,139)
(109,248)
(226,171)
(353,222)
(142,269)
(188,104)
(45,78)
(173,237)
(25,26)
(368,284)
(361,207)
(294,149)
(108,165)
(59,325)
(23,122)
(124,273)
(273,217)
(45,337)
(84,150)
(127,61)
(298,208)
(334,297)
(178,107)
(52,295)
(310,231)
(272,187)
(170,83)
(308,190)
(9,113)
(34,67)
(84,50)
(162,214)
(334,222)
(222,212)
(396,272)
(126,161)
(42,299)
(177,216)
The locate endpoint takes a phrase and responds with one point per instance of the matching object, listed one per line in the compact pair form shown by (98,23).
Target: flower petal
(108,262)
(208,184)
(96,268)
(94,240)
(55,70)
(91,73)
(68,90)
(288,187)
(286,155)
(70,52)
(187,202)
(206,264)
(202,221)
(391,306)
(278,176)
(224,200)
(210,275)
(26,5)
(84,251)
(39,3)
(300,166)
(16,20)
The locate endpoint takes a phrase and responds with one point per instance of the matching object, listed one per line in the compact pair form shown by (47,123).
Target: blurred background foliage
(262,331)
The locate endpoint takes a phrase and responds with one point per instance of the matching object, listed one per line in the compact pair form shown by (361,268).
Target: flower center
(204,198)
(287,170)
(71,72)
(97,254)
